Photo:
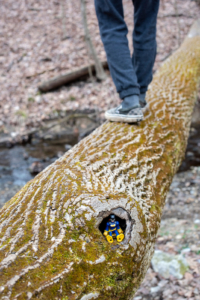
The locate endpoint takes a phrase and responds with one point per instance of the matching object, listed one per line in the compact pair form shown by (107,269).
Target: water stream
(20,164)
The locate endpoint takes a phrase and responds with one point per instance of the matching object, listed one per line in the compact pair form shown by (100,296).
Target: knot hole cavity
(122,223)
(122,216)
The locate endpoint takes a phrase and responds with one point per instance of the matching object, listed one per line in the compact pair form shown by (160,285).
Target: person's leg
(144,41)
(109,237)
(113,32)
(116,232)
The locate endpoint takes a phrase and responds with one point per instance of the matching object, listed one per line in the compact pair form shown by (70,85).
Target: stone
(162,283)
(186,250)
(67,147)
(155,289)
(195,248)
(197,221)
(166,264)
(36,167)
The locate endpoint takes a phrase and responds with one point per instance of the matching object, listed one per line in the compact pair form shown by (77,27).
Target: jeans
(131,75)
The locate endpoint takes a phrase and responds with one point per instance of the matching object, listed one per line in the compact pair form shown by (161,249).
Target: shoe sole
(123,118)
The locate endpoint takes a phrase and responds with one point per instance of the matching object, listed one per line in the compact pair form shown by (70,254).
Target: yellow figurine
(112,227)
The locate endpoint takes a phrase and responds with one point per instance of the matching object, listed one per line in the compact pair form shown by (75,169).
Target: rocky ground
(179,234)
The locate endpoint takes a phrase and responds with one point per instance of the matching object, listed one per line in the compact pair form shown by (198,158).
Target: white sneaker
(133,115)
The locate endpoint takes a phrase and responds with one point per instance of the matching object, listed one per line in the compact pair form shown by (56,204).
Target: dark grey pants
(130,75)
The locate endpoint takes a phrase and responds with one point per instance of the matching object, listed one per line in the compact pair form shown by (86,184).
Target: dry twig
(178,22)
(101,75)
(64,20)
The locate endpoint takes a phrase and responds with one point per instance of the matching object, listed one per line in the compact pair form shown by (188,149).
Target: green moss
(156,208)
(31,99)
(21,113)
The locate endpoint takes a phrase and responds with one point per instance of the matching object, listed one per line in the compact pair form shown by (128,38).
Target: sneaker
(130,116)
(143,103)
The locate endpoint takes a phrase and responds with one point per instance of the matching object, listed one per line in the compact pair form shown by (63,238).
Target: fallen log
(69,77)
(51,233)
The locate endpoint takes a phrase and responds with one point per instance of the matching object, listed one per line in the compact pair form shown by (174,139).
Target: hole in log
(122,223)
(126,223)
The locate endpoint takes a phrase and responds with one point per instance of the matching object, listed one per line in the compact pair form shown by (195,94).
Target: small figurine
(112,228)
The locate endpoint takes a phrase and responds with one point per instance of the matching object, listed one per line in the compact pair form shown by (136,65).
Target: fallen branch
(178,23)
(40,73)
(64,20)
(51,241)
(174,16)
(69,77)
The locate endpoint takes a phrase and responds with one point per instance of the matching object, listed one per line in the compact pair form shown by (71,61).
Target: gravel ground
(179,234)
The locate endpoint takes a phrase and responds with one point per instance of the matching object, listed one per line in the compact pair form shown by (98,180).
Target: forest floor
(179,234)
(34,47)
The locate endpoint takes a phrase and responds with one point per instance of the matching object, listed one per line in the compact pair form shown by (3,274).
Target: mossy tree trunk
(51,245)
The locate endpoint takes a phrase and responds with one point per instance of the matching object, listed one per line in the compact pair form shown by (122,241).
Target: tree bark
(69,77)
(51,241)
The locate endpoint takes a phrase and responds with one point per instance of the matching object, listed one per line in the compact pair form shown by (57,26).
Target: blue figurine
(113,229)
